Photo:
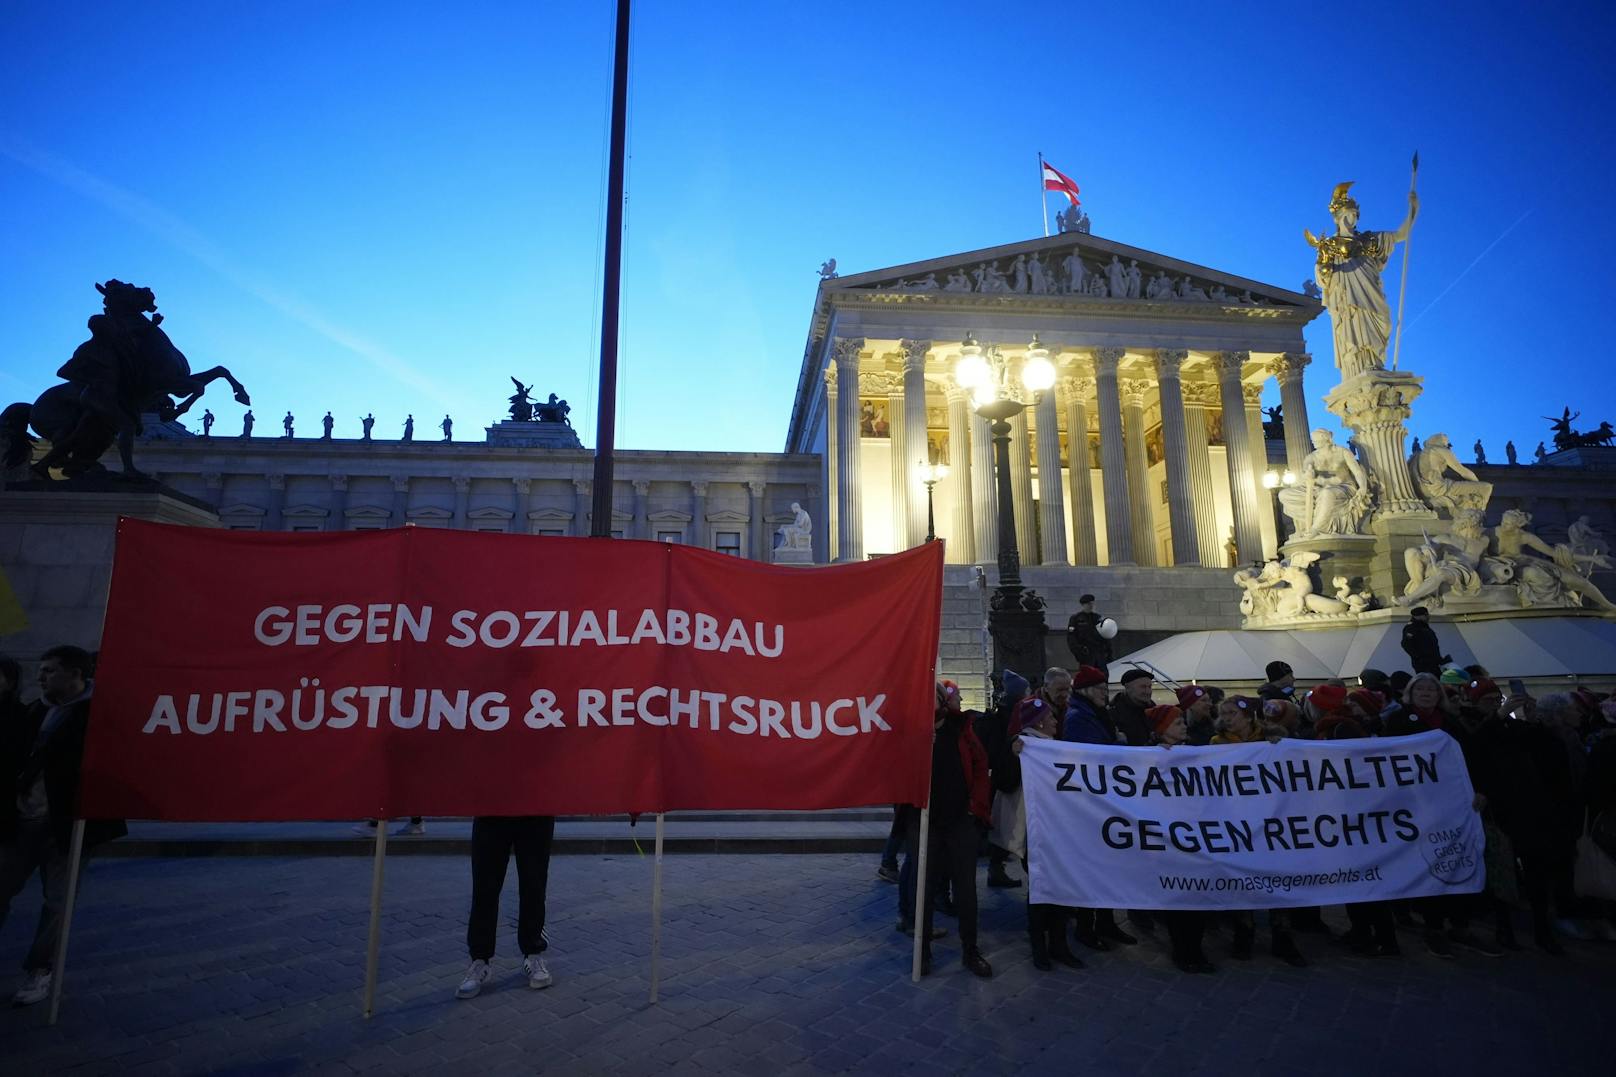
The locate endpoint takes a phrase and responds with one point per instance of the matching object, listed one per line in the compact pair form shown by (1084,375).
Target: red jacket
(974,757)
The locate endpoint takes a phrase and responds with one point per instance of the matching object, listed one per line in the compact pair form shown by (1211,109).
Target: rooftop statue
(553,411)
(521,404)
(1567,438)
(128,366)
(1348,269)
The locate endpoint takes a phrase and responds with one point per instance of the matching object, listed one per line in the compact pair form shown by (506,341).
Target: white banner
(1249,826)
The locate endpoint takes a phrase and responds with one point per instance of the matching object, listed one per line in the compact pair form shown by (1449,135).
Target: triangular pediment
(1075,267)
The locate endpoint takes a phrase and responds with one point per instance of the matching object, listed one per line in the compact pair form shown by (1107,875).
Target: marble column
(914,436)
(462,488)
(698,516)
(273,518)
(1198,396)
(833,457)
(401,500)
(1026,513)
(1175,446)
(338,520)
(523,489)
(961,534)
(1113,458)
(849,502)
(1051,488)
(1141,497)
(1075,391)
(899,466)
(820,500)
(581,504)
(1288,369)
(1266,499)
(984,491)
(640,526)
(1238,451)
(757,526)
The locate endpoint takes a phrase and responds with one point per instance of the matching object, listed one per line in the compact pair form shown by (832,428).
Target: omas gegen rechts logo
(1454,854)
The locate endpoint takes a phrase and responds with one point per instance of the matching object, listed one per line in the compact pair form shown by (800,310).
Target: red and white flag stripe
(1056,180)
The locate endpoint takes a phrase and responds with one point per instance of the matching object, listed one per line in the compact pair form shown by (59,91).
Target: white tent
(1583,648)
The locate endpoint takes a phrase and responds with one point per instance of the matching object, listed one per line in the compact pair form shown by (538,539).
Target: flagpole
(1043,197)
(1402,287)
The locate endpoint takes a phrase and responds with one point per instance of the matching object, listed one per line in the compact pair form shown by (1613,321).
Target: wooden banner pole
(75,853)
(656,910)
(373,945)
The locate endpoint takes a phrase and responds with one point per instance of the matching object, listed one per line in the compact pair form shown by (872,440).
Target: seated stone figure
(798,534)
(1331,496)
(1557,578)
(1447,564)
(1431,466)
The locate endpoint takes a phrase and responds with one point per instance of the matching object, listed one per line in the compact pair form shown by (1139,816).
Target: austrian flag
(1056,180)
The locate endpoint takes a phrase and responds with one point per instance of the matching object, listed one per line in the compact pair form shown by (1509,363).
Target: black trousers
(1446,910)
(1185,929)
(951,855)
(1372,921)
(1546,876)
(1046,925)
(493,839)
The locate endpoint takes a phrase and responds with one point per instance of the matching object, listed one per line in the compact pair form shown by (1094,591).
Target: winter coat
(1087,724)
(58,760)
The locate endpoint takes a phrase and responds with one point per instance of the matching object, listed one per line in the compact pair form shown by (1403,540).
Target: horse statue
(128,366)
(553,411)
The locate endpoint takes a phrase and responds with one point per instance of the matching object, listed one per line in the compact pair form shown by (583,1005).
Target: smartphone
(1516,687)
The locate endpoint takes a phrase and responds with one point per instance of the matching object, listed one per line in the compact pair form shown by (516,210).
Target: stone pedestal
(1393,535)
(1018,642)
(1374,405)
(782,555)
(515,435)
(56,549)
(1352,556)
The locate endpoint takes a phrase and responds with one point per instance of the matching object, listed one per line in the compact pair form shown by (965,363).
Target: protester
(1083,638)
(1196,703)
(1038,719)
(1088,721)
(1420,643)
(1185,927)
(494,838)
(1238,722)
(992,730)
(1281,682)
(959,810)
(41,751)
(1128,708)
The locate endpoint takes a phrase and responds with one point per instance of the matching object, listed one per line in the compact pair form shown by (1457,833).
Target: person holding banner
(959,814)
(494,839)
(42,749)
(1036,718)
(1088,721)
(1185,927)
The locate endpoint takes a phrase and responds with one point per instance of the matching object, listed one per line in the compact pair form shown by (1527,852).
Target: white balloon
(1107,629)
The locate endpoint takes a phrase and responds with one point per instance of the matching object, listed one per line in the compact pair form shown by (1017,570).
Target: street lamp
(1272,481)
(931,474)
(1015,616)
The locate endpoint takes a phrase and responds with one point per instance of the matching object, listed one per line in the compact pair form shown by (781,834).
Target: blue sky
(391,208)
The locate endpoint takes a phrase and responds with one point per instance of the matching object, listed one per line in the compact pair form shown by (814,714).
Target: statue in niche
(1481,453)
(1018,275)
(796,535)
(1431,466)
(957,282)
(1037,276)
(827,270)
(1076,273)
(553,411)
(521,403)
(1447,564)
(1116,278)
(326,425)
(128,367)
(1348,268)
(1332,493)
(1509,453)
(1557,578)
(1136,279)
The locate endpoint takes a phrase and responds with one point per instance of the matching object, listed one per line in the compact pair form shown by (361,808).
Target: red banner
(424,672)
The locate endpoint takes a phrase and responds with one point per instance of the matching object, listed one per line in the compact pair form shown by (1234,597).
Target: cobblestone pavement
(772,965)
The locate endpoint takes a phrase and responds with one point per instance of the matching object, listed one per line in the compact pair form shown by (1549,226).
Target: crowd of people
(1543,770)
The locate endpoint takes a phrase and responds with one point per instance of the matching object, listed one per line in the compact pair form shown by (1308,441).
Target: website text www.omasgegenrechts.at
(1266,883)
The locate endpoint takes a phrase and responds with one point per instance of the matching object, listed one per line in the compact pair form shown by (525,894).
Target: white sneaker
(538,974)
(367,829)
(410,830)
(35,986)
(476,976)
